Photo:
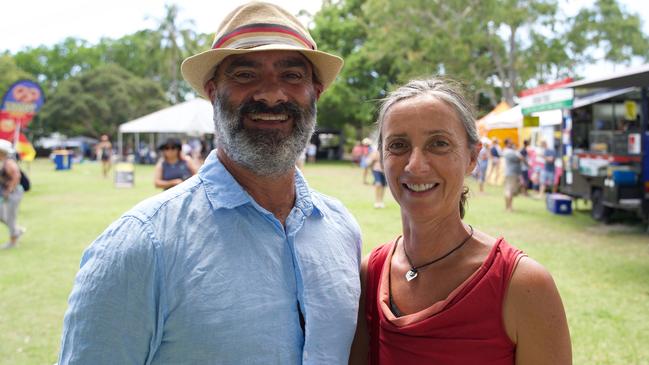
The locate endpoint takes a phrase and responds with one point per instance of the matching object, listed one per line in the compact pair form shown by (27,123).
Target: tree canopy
(495,47)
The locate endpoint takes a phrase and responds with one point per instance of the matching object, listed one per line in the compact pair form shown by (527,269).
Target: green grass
(601,271)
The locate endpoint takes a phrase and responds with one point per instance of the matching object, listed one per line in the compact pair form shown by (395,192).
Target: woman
(174,167)
(104,152)
(12,193)
(444,292)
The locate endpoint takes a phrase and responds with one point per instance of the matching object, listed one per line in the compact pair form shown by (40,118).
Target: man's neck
(275,193)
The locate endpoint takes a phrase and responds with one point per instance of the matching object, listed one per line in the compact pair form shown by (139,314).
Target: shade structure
(512,118)
(193,117)
(481,123)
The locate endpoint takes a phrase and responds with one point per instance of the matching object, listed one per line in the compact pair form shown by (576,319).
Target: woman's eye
(396,146)
(440,144)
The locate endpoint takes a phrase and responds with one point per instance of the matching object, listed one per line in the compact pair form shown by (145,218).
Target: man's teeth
(420,187)
(269,117)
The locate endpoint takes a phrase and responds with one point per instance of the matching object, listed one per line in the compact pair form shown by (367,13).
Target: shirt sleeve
(115,308)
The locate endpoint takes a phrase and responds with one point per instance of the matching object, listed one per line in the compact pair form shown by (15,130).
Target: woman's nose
(417,162)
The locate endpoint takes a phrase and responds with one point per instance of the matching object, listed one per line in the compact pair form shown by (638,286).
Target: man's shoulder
(334,208)
(324,201)
(175,199)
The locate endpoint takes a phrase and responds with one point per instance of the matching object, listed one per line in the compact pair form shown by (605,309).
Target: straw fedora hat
(256,27)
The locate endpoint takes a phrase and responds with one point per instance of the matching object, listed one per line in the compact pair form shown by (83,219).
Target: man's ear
(318,90)
(210,88)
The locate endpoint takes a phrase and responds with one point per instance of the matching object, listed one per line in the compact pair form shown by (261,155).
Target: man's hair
(446,90)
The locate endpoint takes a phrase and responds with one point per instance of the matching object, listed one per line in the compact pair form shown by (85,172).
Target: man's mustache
(256,107)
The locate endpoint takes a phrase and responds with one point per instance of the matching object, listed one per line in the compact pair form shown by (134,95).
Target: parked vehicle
(605,144)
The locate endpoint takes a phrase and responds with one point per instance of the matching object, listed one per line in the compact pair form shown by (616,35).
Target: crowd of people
(239,261)
(523,168)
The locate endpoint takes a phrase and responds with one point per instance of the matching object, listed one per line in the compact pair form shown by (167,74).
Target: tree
(496,47)
(341,28)
(609,27)
(63,60)
(97,101)
(176,40)
(10,73)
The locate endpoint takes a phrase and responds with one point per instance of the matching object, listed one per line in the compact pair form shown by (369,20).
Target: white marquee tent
(193,117)
(512,118)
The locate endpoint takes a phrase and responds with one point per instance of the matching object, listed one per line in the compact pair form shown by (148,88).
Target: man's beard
(265,152)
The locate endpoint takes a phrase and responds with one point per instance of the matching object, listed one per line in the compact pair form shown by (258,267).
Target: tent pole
(136,148)
(119,146)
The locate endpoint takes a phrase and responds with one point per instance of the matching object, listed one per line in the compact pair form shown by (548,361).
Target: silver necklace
(414,270)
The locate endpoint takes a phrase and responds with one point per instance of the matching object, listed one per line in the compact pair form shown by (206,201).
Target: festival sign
(547,97)
(19,106)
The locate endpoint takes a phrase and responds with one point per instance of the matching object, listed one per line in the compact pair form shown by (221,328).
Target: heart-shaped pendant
(411,274)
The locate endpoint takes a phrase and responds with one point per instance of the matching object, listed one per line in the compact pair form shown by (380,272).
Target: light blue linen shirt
(202,274)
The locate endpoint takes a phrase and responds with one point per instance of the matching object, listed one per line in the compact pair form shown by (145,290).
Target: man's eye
(293,76)
(243,76)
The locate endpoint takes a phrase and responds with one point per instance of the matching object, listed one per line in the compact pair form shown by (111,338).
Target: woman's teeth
(420,187)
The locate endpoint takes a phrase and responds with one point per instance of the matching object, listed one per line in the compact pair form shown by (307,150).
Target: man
(513,160)
(494,155)
(547,173)
(525,167)
(12,193)
(242,263)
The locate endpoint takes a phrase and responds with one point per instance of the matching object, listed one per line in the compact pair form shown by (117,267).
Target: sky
(45,22)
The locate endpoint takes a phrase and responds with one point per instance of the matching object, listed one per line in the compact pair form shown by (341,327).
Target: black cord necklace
(414,270)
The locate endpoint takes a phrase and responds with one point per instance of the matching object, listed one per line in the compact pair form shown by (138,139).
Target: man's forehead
(257,59)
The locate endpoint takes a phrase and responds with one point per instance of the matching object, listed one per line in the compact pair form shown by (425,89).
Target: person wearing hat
(242,263)
(12,193)
(173,167)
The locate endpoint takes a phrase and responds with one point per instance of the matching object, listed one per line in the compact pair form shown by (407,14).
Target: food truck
(605,143)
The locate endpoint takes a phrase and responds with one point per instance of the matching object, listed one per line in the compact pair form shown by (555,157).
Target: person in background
(374,163)
(311,151)
(173,167)
(525,167)
(443,292)
(483,164)
(357,153)
(365,155)
(494,166)
(547,172)
(12,193)
(104,153)
(243,263)
(513,161)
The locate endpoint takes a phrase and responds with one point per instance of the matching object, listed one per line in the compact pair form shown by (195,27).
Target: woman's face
(170,152)
(426,156)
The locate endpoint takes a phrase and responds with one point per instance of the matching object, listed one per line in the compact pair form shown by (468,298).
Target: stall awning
(633,77)
(592,98)
(193,117)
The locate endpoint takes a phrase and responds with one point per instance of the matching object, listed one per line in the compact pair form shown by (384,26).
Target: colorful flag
(19,106)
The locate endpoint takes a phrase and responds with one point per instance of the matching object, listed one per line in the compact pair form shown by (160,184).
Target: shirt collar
(223,191)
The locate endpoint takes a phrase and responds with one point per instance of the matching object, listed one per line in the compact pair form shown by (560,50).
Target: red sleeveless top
(466,328)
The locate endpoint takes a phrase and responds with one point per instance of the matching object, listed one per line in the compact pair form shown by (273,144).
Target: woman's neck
(427,240)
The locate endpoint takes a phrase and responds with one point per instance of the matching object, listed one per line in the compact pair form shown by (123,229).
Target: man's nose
(271,92)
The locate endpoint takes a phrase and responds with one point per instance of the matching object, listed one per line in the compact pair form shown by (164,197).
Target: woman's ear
(474,152)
